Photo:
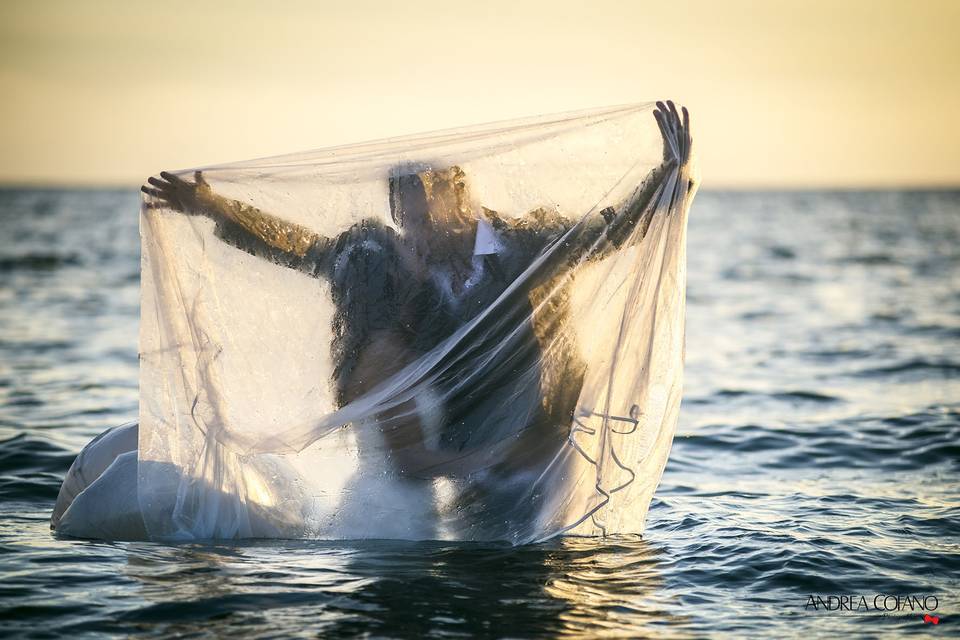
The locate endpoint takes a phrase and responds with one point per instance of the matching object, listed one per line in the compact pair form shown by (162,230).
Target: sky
(782,93)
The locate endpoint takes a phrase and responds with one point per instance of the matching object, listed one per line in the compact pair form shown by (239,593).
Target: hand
(676,132)
(173,192)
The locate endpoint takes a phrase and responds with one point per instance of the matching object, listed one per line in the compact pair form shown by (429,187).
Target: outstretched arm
(267,235)
(598,236)
(634,217)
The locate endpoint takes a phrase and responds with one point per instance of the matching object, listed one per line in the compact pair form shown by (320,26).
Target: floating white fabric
(470,335)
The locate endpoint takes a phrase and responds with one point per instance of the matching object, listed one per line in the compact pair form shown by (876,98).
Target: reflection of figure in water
(533,591)
(399,293)
(416,590)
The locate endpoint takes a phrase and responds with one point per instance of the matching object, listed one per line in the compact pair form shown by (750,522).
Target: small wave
(806,396)
(731,393)
(786,396)
(782,253)
(758,315)
(36,346)
(870,259)
(934,330)
(896,443)
(23,453)
(38,262)
(918,365)
(839,354)
(890,317)
(38,487)
(934,454)
(23,398)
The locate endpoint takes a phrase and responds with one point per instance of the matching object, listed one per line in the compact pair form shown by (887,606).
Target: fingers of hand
(174,190)
(661,117)
(674,113)
(678,129)
(176,181)
(668,111)
(664,129)
(161,198)
(670,150)
(674,126)
(169,190)
(160,184)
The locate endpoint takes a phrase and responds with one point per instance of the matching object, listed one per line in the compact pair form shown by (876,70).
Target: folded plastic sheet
(467,335)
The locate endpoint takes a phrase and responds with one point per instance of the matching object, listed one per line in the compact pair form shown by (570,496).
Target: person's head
(433,209)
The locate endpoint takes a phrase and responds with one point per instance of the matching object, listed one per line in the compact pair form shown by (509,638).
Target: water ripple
(817,453)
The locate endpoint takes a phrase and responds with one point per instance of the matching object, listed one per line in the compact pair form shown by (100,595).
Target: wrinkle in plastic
(467,335)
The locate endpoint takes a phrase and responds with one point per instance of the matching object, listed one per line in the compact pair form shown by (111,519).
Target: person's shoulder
(537,226)
(369,236)
(368,230)
(371,226)
(539,218)
(548,219)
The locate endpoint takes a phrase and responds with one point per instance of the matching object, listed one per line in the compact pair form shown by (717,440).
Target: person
(400,292)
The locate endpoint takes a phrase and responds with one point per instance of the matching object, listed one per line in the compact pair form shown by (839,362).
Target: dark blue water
(818,450)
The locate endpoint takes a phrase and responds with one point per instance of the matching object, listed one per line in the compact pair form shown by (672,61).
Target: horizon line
(732,186)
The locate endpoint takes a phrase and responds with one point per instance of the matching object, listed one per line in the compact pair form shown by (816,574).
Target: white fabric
(486,241)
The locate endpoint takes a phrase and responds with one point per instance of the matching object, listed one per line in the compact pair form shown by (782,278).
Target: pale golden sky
(782,93)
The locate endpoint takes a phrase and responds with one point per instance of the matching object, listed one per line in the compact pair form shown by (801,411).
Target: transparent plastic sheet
(467,335)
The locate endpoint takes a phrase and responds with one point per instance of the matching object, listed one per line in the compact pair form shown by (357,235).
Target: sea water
(816,459)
